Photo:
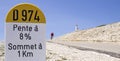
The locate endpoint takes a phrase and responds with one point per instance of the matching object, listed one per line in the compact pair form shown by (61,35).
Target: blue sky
(63,15)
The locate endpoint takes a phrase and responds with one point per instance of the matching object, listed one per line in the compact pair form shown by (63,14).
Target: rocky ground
(2,51)
(56,52)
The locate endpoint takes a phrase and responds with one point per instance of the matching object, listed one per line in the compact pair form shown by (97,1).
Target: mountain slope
(110,32)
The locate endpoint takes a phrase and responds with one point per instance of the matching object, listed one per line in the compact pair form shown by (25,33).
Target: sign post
(25,34)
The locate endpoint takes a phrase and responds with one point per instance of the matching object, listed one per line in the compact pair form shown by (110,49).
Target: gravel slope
(106,33)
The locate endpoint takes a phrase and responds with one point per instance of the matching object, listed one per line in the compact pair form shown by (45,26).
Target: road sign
(25,34)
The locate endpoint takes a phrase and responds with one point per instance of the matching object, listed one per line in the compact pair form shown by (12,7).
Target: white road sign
(25,34)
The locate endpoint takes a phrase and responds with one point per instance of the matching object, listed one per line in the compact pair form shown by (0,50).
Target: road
(110,48)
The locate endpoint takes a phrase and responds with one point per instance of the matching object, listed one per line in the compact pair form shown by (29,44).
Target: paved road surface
(110,48)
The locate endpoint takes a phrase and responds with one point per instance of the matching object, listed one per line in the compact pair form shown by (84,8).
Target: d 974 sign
(26,15)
